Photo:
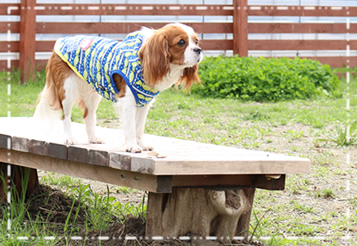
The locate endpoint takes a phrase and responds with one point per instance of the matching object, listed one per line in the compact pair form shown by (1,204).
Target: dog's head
(172,45)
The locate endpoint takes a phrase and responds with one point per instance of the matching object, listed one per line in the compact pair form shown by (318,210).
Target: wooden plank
(11,26)
(243,165)
(211,44)
(38,147)
(216,44)
(27,40)
(5,141)
(45,46)
(77,154)
(58,151)
(230,181)
(334,61)
(273,10)
(300,28)
(20,144)
(124,27)
(88,171)
(98,157)
(134,9)
(19,175)
(299,44)
(6,46)
(9,9)
(120,161)
(4,65)
(222,44)
(165,9)
(181,157)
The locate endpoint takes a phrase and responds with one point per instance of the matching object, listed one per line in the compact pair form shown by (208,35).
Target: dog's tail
(49,102)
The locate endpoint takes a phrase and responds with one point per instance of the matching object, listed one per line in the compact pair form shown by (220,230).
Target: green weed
(343,135)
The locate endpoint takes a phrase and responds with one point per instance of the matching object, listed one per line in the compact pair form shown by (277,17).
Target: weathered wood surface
(175,163)
(180,157)
(23,179)
(178,169)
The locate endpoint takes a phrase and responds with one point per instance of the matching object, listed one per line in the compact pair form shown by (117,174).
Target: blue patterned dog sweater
(97,59)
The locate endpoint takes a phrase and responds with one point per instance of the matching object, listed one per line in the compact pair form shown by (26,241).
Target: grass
(312,205)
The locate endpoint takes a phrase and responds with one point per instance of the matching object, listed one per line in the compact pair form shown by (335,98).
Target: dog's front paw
(70,141)
(133,148)
(146,147)
(96,141)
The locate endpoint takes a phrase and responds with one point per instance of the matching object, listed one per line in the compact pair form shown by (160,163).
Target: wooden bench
(202,189)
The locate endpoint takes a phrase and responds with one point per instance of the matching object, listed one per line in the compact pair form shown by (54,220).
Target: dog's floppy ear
(189,77)
(155,59)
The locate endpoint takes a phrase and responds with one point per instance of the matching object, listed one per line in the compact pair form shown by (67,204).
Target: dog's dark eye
(196,41)
(181,43)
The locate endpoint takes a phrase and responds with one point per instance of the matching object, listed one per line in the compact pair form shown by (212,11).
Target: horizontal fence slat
(328,11)
(39,64)
(216,44)
(166,9)
(126,27)
(123,27)
(333,61)
(133,9)
(301,44)
(47,46)
(9,9)
(4,65)
(12,46)
(13,27)
(300,28)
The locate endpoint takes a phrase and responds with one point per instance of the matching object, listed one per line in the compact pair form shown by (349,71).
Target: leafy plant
(265,79)
(344,135)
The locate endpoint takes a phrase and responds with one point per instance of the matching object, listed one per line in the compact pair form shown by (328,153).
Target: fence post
(27,45)
(240,27)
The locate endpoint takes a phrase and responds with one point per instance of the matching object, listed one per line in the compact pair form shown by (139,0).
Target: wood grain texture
(22,179)
(181,157)
(133,9)
(27,45)
(20,144)
(4,141)
(228,181)
(273,10)
(104,174)
(122,27)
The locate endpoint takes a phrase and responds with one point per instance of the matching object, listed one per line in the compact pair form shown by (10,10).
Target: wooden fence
(28,27)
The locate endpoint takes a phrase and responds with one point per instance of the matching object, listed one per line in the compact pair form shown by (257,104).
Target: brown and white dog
(168,56)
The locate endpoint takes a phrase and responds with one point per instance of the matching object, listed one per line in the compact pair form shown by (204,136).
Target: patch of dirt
(55,207)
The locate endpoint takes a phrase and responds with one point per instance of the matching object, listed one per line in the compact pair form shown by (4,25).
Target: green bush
(265,79)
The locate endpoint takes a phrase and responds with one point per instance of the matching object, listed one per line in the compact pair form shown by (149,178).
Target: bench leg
(200,212)
(24,179)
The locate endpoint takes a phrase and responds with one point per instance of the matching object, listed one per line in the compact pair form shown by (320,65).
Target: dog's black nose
(197,50)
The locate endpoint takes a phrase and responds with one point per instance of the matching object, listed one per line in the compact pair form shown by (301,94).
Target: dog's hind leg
(89,104)
(71,97)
